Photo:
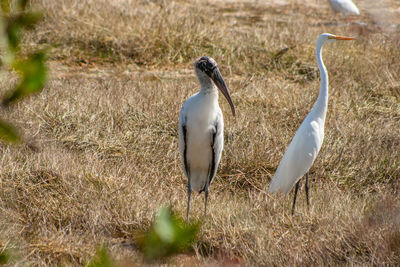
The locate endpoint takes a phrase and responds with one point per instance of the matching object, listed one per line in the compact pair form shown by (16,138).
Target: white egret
(344,6)
(201,129)
(308,139)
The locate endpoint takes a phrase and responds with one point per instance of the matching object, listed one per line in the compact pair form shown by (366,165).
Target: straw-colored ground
(103,153)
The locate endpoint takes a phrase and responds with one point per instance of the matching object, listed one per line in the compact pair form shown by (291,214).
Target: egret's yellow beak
(341,38)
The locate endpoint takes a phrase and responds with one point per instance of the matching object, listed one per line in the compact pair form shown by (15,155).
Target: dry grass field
(103,153)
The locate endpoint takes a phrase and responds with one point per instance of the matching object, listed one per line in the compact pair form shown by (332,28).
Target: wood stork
(308,139)
(201,128)
(344,6)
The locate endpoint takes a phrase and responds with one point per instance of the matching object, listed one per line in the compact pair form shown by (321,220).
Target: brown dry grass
(106,132)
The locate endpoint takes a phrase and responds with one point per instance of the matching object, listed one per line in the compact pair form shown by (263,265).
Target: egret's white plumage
(308,139)
(201,129)
(344,6)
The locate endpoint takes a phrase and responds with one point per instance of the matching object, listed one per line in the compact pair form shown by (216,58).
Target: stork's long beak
(337,37)
(219,82)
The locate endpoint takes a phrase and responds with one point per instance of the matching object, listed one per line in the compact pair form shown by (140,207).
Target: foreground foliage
(168,235)
(31,69)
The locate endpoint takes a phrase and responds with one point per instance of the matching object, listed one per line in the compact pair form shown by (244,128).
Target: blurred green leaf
(101,259)
(33,73)
(32,70)
(167,235)
(5,6)
(8,133)
(15,25)
(4,257)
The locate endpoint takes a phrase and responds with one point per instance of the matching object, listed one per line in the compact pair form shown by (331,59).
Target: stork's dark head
(207,67)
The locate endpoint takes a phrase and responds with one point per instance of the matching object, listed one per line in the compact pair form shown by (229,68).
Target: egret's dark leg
(189,191)
(308,201)
(295,195)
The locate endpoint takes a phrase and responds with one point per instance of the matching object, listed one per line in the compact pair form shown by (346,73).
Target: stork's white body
(344,6)
(201,129)
(202,117)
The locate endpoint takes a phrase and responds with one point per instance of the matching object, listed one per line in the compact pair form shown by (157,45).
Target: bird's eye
(209,65)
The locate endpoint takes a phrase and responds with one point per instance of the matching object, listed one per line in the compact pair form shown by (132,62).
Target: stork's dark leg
(206,198)
(205,203)
(308,201)
(189,191)
(295,195)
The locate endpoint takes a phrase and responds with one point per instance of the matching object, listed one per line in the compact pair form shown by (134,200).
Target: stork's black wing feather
(185,163)
(213,163)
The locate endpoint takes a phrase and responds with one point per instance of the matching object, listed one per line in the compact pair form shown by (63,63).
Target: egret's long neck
(322,101)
